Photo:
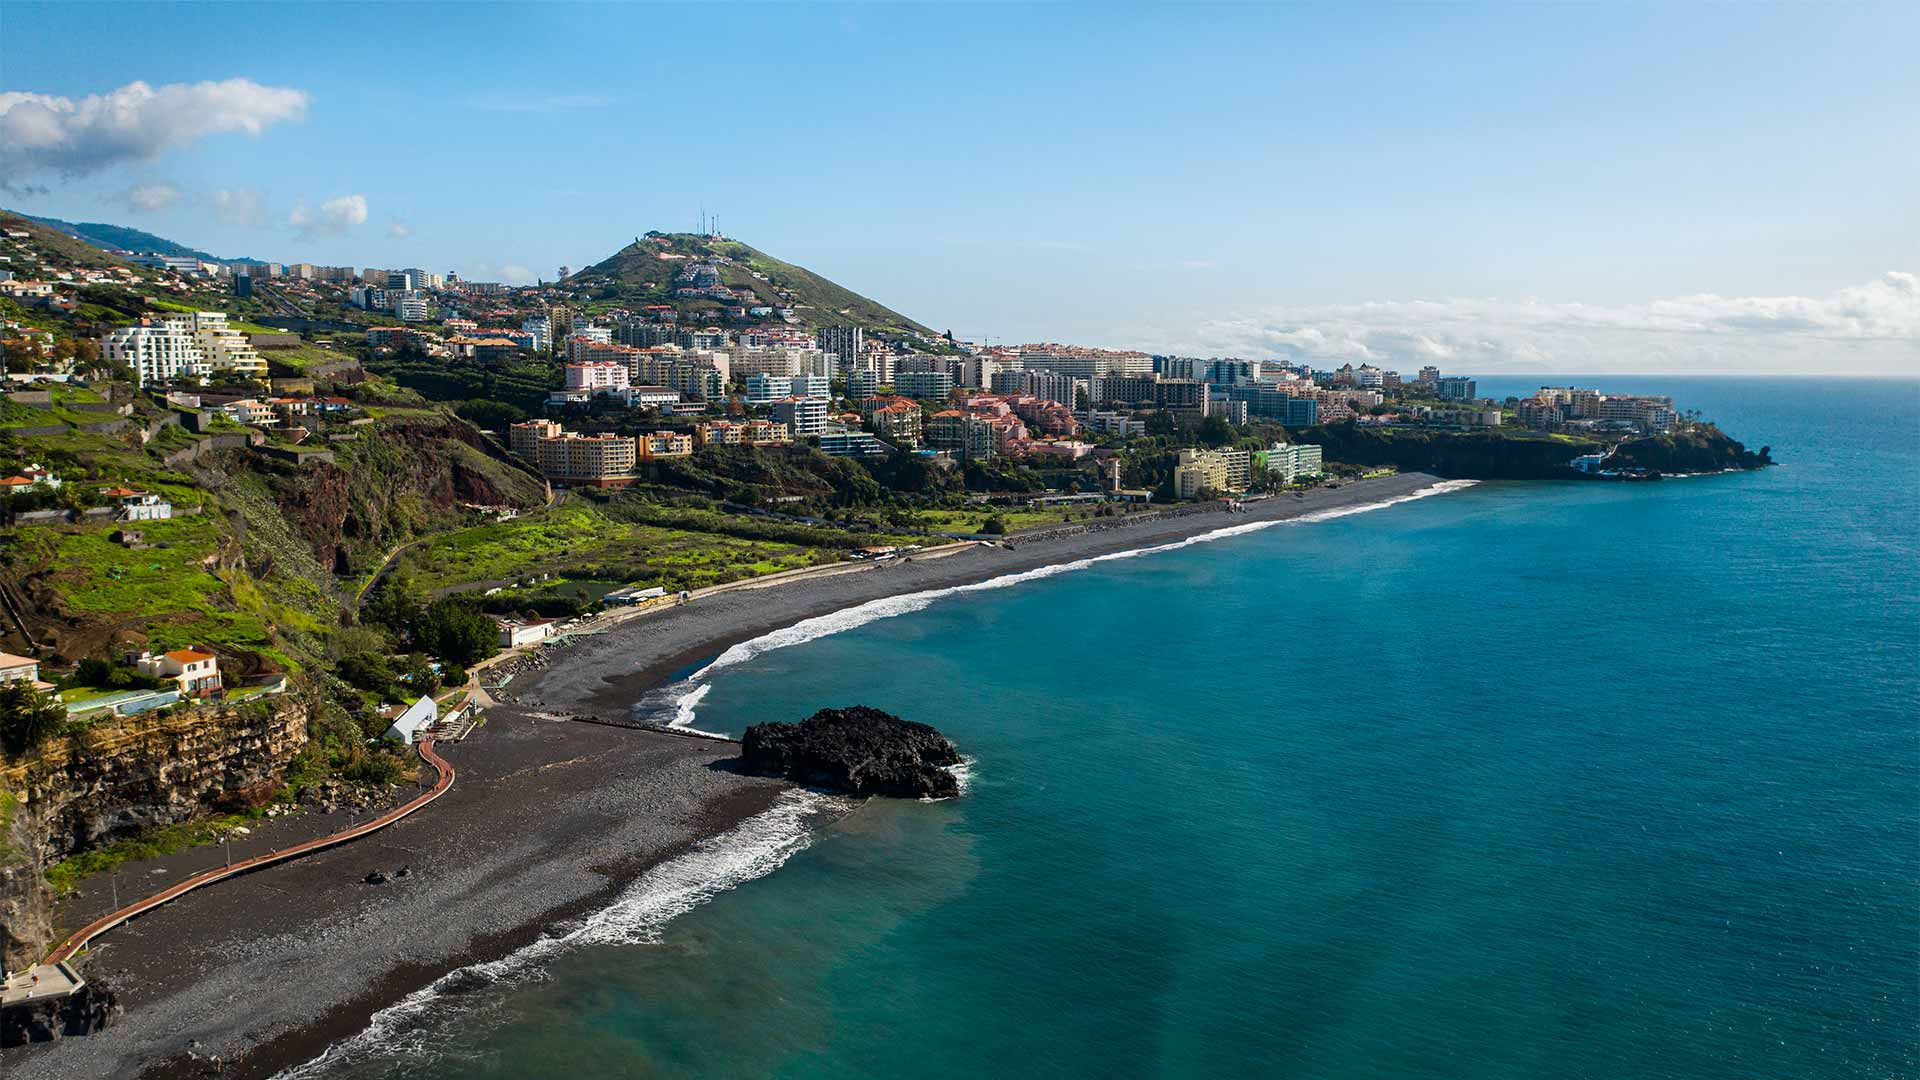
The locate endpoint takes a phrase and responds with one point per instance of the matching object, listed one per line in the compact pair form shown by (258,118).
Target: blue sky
(1501,187)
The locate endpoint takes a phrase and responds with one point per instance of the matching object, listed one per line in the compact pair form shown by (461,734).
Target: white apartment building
(225,348)
(157,352)
(410,309)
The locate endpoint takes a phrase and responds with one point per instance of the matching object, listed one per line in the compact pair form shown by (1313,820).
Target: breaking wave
(682,699)
(412,1029)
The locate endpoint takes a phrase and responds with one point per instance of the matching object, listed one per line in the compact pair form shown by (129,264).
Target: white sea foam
(962,775)
(687,694)
(754,848)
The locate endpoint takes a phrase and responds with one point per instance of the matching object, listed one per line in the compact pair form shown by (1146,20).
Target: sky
(1696,188)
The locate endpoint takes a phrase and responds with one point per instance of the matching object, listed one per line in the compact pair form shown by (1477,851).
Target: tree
(492,415)
(367,671)
(27,716)
(994,526)
(397,605)
(1215,431)
(457,634)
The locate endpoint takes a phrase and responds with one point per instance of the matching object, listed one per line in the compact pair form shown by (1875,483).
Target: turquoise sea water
(1529,780)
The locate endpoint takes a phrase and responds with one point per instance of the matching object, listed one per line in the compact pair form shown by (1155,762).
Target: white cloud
(244,206)
(44,133)
(1873,327)
(399,230)
(153,198)
(335,216)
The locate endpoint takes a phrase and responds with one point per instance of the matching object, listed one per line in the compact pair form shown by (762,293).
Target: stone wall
(118,778)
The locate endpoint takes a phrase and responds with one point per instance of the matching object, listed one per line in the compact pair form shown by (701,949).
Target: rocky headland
(857,751)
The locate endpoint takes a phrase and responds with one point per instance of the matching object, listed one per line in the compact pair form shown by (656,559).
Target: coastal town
(366,501)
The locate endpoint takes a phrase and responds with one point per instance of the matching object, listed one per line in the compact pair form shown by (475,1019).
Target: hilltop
(122,238)
(656,266)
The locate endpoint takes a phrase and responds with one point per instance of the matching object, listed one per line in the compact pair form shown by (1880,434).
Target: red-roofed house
(197,672)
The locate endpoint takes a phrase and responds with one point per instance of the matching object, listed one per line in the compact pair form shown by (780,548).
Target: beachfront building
(1290,462)
(514,634)
(1222,472)
(406,722)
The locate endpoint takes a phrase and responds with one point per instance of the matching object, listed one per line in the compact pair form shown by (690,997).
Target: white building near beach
(408,722)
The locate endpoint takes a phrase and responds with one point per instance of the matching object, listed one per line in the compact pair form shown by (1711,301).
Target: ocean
(1516,780)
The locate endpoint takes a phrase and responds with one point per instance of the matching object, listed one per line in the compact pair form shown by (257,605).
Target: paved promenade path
(107,922)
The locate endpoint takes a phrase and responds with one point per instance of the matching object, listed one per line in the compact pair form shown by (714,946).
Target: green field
(579,541)
(971,520)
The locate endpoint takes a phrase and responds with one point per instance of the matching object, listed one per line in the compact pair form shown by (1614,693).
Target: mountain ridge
(110,237)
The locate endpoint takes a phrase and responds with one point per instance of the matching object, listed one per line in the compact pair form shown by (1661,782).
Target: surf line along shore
(550,823)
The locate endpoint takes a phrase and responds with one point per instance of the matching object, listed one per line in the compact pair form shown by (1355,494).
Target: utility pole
(116,890)
(226,840)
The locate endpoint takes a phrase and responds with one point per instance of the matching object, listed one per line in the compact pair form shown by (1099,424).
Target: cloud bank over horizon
(1873,328)
(44,134)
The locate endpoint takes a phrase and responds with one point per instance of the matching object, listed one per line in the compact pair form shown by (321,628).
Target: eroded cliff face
(118,778)
(401,481)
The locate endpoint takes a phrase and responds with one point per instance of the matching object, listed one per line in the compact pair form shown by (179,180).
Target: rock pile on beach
(856,750)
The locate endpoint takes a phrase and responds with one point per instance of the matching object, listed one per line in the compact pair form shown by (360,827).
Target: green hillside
(102,235)
(644,272)
(52,244)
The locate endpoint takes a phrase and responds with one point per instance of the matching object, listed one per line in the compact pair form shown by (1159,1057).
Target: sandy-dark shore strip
(549,821)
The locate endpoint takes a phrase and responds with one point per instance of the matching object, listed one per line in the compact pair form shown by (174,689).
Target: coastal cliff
(1700,450)
(118,778)
(1507,454)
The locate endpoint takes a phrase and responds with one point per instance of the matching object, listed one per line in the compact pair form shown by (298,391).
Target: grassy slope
(638,266)
(57,246)
(578,540)
(100,234)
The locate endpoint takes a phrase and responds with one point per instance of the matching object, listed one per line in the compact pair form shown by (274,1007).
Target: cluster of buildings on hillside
(1558,408)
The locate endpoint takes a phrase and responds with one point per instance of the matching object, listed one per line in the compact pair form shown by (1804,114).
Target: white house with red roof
(196,671)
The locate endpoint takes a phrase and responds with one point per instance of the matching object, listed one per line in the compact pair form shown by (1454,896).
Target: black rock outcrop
(857,750)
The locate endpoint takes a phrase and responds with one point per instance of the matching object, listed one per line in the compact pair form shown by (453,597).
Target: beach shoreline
(551,821)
